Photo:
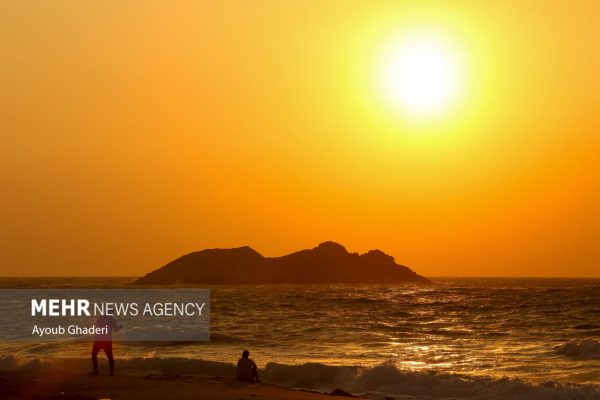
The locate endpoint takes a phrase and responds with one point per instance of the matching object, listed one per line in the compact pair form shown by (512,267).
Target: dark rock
(327,263)
(340,392)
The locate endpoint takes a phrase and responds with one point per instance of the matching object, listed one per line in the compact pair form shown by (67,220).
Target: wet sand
(66,385)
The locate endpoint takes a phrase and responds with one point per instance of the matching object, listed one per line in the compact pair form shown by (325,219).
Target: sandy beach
(71,385)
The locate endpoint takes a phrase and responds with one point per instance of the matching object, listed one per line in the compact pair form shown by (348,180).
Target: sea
(460,338)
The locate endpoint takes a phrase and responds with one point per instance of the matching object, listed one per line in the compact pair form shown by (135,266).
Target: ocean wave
(137,337)
(586,327)
(11,361)
(365,300)
(150,364)
(377,382)
(587,349)
(388,381)
(226,339)
(8,362)
(449,333)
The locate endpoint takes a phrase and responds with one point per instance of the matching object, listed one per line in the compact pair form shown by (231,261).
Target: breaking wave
(588,349)
(388,381)
(379,382)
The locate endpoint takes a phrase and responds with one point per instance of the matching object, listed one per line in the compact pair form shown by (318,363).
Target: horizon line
(426,276)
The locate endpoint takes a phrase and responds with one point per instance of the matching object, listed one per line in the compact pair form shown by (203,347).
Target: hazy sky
(132,132)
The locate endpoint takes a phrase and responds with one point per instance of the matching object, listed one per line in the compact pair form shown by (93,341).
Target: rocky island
(329,262)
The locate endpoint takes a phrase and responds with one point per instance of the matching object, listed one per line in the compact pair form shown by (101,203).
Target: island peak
(329,263)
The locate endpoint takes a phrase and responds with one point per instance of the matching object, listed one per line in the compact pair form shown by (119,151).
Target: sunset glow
(461,137)
(300,200)
(421,76)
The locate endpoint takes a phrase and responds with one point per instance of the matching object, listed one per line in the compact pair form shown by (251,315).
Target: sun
(422,75)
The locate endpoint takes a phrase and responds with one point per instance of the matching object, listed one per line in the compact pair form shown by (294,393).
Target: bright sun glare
(421,75)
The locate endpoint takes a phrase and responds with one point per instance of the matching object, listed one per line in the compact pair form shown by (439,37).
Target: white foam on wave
(587,349)
(388,381)
(11,361)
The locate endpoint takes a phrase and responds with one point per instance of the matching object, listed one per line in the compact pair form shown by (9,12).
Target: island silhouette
(329,262)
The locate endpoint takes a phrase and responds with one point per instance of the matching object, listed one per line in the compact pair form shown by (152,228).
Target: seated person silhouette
(247,369)
(103,341)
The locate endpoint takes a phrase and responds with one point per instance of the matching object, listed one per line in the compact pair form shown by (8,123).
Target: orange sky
(134,132)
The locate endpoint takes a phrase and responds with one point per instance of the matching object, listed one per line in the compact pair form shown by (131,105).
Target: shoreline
(156,378)
(70,385)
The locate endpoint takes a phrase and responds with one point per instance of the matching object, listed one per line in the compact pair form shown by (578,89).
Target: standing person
(103,341)
(246,368)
